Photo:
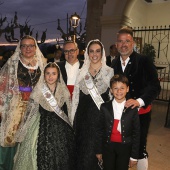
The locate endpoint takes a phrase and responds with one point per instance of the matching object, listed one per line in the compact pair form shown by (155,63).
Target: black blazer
(130,128)
(142,76)
(62,64)
(108,60)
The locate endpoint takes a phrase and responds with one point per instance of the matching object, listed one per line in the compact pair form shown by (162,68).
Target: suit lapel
(110,108)
(63,70)
(117,66)
(64,73)
(81,64)
(131,65)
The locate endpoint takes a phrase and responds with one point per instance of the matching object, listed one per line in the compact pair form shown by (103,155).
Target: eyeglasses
(72,51)
(30,46)
(124,42)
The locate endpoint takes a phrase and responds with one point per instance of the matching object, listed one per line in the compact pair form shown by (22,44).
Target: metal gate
(159,38)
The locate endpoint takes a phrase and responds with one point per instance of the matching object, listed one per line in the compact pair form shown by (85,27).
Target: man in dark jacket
(113,54)
(144,85)
(71,66)
(58,56)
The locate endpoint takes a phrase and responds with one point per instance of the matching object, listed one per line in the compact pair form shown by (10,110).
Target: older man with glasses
(71,66)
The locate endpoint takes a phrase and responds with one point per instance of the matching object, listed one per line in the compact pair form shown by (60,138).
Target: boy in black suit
(118,134)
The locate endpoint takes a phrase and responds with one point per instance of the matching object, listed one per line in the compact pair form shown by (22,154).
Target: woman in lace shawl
(17,79)
(49,142)
(91,89)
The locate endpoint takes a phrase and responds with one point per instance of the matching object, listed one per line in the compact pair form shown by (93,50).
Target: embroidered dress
(24,81)
(56,145)
(85,112)
(87,115)
(49,142)
(15,87)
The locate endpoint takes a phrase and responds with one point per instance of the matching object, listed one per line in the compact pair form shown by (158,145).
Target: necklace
(29,66)
(33,75)
(28,61)
(95,70)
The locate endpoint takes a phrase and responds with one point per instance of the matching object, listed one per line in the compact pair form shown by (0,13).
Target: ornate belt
(25,89)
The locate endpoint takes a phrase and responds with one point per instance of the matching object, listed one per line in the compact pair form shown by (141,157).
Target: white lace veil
(62,96)
(10,94)
(39,56)
(103,78)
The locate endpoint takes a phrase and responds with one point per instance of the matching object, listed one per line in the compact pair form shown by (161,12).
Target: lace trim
(29,67)
(62,96)
(10,100)
(98,82)
(102,82)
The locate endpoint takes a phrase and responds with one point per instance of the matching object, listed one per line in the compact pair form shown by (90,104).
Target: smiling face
(95,53)
(125,44)
(71,52)
(119,91)
(51,76)
(28,48)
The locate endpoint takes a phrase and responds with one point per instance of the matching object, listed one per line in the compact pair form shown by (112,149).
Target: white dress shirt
(124,64)
(72,71)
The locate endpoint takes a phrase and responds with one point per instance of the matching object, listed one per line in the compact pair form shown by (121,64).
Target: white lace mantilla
(99,82)
(102,83)
(10,97)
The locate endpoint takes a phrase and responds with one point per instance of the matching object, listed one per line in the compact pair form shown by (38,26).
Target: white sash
(53,104)
(93,90)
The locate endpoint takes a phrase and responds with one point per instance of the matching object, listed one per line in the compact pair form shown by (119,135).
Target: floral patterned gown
(27,79)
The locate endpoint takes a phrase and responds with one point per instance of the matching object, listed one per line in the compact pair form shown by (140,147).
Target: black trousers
(145,120)
(116,156)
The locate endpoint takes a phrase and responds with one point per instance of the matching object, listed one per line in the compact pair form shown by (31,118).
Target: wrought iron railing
(159,38)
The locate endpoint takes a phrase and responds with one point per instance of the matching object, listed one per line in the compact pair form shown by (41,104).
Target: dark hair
(59,49)
(52,65)
(95,42)
(125,30)
(112,46)
(119,78)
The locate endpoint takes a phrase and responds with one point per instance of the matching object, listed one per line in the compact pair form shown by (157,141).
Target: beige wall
(146,14)
(106,17)
(139,14)
(159,14)
(112,19)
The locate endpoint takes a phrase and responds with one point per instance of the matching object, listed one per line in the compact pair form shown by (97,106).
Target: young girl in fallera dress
(49,142)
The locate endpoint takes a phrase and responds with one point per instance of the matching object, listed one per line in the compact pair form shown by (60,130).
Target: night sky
(42,14)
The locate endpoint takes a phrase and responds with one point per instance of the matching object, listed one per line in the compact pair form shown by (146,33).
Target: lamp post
(72,32)
(74,22)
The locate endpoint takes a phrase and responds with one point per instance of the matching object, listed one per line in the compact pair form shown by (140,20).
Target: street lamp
(74,22)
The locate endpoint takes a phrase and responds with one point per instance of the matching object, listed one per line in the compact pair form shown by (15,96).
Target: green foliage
(149,51)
